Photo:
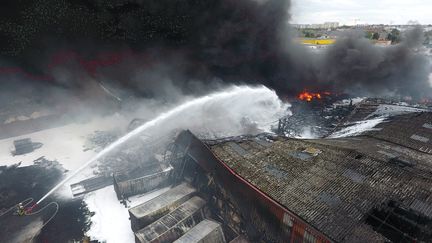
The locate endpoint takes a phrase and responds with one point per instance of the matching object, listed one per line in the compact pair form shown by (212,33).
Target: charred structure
(373,188)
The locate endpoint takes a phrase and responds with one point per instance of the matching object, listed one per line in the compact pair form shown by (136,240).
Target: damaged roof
(348,188)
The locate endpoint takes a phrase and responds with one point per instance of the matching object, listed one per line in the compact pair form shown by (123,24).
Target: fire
(309,96)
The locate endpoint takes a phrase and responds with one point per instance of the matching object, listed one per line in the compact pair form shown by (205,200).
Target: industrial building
(373,187)
(370,188)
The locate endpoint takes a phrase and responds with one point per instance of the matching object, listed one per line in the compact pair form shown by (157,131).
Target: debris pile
(48,164)
(100,139)
(312,120)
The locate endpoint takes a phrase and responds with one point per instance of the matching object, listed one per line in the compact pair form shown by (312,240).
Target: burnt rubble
(321,118)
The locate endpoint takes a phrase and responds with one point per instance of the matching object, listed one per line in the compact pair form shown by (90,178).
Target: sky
(361,11)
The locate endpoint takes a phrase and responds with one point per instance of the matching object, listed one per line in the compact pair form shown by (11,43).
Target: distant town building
(326,25)
(331,25)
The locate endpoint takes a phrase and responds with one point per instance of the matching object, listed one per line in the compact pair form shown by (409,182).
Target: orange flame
(309,96)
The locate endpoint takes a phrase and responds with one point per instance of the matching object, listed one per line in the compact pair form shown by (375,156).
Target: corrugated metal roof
(237,148)
(422,207)
(354,175)
(427,125)
(263,142)
(419,138)
(330,199)
(335,190)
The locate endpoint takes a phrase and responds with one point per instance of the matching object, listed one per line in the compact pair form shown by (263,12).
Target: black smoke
(191,45)
(189,40)
(354,65)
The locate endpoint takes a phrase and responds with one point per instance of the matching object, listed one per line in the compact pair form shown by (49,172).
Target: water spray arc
(235,93)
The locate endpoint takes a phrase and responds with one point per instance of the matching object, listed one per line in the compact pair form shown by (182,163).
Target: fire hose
(29,210)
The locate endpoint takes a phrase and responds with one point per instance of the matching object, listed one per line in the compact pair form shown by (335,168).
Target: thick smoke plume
(159,48)
(356,66)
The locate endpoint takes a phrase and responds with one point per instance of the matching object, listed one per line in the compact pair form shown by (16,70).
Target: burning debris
(309,96)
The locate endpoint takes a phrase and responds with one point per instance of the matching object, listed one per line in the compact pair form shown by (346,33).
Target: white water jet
(254,105)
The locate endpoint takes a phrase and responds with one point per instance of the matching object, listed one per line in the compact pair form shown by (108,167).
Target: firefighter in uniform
(20,209)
